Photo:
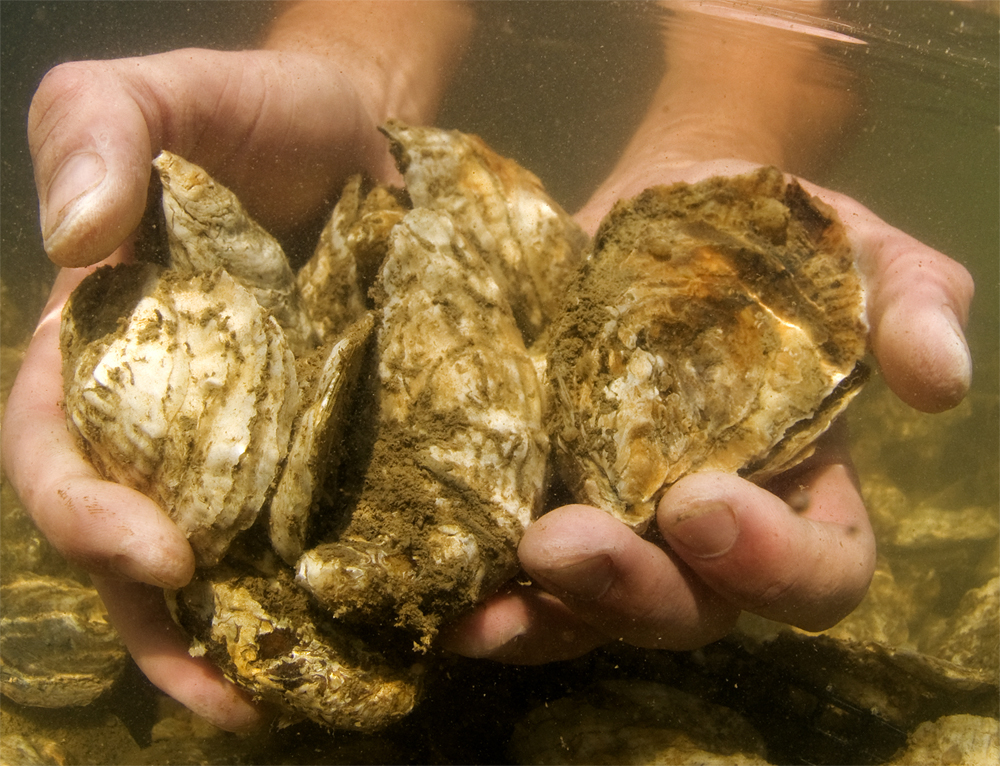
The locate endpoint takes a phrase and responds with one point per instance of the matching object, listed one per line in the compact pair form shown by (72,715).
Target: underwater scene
(900,111)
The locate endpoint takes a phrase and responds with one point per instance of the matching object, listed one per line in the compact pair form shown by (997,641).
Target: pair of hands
(284,130)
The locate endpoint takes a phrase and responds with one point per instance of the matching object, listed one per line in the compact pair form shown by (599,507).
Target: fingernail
(158,565)
(586,580)
(706,530)
(958,349)
(129,569)
(76,178)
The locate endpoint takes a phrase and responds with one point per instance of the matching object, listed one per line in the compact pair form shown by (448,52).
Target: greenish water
(547,84)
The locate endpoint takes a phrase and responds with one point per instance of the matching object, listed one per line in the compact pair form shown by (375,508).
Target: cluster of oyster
(355,450)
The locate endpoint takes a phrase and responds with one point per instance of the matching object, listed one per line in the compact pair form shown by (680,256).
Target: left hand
(728,545)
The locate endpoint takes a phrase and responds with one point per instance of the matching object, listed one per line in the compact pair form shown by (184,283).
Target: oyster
(264,633)
(192,383)
(57,648)
(531,245)
(190,401)
(351,249)
(425,346)
(716,326)
(208,229)
(458,468)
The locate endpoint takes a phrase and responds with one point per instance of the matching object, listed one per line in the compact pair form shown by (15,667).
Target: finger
(918,305)
(808,569)
(522,625)
(622,585)
(160,649)
(102,526)
(283,130)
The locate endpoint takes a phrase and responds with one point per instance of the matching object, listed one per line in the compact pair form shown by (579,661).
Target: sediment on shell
(189,400)
(317,442)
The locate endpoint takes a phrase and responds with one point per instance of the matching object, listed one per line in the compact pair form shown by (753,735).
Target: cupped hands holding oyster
(601,580)
(718,326)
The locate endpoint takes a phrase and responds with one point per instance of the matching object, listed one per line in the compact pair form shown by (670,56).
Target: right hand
(258,121)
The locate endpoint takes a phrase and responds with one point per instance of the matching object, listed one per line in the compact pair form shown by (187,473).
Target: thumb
(809,569)
(284,130)
(91,149)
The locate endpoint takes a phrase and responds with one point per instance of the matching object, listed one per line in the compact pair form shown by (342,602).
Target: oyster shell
(265,635)
(190,400)
(532,246)
(458,469)
(208,228)
(314,453)
(57,648)
(351,249)
(676,350)
(716,326)
(186,383)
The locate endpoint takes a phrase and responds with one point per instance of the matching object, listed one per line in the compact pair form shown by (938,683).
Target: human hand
(284,130)
(799,551)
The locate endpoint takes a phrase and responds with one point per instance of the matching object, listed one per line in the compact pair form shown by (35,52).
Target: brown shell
(264,634)
(716,326)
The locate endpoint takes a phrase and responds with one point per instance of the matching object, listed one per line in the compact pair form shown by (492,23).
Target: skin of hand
(96,125)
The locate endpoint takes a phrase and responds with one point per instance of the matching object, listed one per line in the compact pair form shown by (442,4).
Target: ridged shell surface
(264,635)
(531,244)
(57,648)
(189,398)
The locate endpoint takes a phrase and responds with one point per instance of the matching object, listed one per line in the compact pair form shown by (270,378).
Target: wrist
(399,56)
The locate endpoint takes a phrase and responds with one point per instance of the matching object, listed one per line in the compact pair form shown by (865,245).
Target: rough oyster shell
(190,399)
(717,326)
(207,228)
(314,450)
(264,635)
(57,648)
(352,247)
(458,468)
(529,242)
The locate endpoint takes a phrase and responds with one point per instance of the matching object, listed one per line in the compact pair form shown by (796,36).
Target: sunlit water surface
(559,86)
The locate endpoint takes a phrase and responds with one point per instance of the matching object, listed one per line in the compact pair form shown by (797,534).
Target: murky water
(548,84)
